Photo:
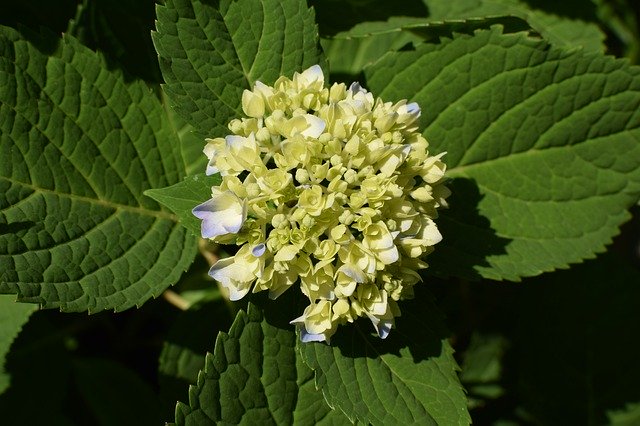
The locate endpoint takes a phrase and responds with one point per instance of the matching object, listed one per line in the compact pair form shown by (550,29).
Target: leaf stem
(176,300)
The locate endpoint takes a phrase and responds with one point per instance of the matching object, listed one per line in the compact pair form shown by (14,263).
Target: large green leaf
(408,378)
(252,378)
(576,343)
(12,317)
(79,148)
(210,51)
(557,30)
(542,143)
(311,408)
(347,55)
(350,51)
(191,145)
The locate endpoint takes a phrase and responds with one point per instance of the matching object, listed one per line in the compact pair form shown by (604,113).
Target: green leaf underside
(80,147)
(408,378)
(210,52)
(251,378)
(182,197)
(549,139)
(12,317)
(557,30)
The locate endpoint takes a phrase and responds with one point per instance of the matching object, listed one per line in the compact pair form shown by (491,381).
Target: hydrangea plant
(328,189)
(281,277)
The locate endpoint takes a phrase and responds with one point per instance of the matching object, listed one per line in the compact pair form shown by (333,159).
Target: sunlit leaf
(542,145)
(79,148)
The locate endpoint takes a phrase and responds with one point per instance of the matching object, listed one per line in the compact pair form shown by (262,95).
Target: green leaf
(12,317)
(182,197)
(629,416)
(211,51)
(183,355)
(351,51)
(348,56)
(410,377)
(250,378)
(482,367)
(557,30)
(191,145)
(80,146)
(576,342)
(542,143)
(311,408)
(113,393)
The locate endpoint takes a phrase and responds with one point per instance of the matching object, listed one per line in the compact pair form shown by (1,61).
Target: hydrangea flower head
(329,190)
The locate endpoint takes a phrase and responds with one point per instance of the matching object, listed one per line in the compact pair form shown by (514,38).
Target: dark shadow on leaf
(334,16)
(572,9)
(15,227)
(192,335)
(35,14)
(47,42)
(420,330)
(447,29)
(347,78)
(121,31)
(468,239)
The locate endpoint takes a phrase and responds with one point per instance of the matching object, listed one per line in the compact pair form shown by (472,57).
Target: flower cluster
(329,188)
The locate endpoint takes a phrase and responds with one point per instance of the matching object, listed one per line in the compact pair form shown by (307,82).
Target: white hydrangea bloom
(327,188)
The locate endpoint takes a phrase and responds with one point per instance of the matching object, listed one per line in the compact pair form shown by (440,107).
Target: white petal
(305,336)
(353,272)
(315,128)
(236,278)
(286,253)
(223,214)
(356,88)
(234,140)
(211,169)
(313,73)
(259,250)
(388,255)
(413,108)
(384,327)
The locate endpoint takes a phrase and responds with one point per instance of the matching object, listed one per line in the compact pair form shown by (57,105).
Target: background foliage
(536,103)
